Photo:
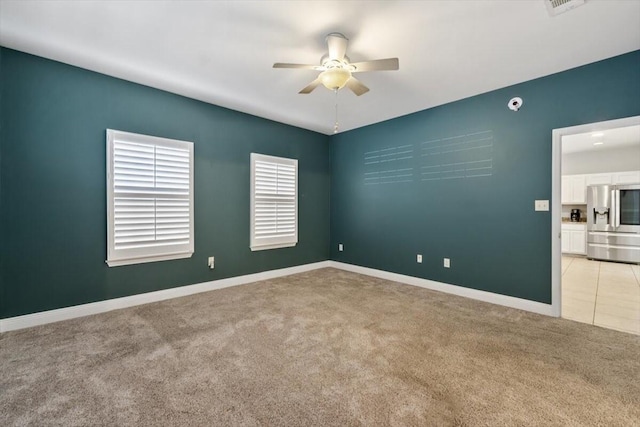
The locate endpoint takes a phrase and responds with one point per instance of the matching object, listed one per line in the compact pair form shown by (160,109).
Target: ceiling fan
(337,70)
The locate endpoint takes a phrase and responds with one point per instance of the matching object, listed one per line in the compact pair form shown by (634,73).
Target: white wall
(614,160)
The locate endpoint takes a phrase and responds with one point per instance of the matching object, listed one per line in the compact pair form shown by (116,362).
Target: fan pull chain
(335,126)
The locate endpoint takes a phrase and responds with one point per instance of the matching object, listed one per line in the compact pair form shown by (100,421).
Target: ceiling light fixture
(597,134)
(598,143)
(335,78)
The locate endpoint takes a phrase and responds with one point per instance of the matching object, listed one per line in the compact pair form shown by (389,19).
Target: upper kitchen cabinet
(574,190)
(600,179)
(629,177)
(574,186)
(632,177)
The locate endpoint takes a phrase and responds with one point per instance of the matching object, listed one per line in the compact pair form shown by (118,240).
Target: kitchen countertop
(568,220)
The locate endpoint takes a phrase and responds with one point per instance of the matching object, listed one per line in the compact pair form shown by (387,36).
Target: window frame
(153,253)
(278,241)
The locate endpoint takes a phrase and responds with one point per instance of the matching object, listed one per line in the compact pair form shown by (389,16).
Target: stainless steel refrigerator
(613,222)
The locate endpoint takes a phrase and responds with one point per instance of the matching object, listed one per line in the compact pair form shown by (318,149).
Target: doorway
(603,293)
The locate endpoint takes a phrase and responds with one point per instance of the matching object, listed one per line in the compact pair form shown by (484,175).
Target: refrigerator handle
(617,214)
(612,209)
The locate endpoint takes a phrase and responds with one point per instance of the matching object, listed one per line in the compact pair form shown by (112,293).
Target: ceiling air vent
(556,7)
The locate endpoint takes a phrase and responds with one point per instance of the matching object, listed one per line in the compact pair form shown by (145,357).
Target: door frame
(556,198)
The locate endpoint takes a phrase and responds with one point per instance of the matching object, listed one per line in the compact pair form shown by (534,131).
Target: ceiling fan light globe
(335,78)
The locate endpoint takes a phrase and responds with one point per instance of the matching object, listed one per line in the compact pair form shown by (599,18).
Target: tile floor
(601,293)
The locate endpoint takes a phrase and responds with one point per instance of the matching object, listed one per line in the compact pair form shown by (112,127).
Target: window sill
(274,246)
(131,261)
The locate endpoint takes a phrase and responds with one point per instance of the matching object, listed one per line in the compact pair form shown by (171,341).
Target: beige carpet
(324,348)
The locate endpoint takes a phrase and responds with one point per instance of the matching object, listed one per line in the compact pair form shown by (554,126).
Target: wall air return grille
(556,7)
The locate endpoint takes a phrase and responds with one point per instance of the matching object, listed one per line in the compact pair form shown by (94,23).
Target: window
(274,202)
(149,198)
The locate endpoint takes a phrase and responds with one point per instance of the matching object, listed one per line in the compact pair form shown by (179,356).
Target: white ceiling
(222,51)
(612,139)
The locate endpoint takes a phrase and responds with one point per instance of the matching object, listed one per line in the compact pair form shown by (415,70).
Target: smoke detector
(556,7)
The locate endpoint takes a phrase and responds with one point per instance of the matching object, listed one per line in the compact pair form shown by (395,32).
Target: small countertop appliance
(575,215)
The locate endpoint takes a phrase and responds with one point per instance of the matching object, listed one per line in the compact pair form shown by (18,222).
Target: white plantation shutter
(274,202)
(149,198)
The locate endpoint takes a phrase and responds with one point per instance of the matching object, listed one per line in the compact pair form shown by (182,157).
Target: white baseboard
(513,302)
(50,316)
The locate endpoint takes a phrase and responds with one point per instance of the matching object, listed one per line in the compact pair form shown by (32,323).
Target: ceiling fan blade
(311,86)
(376,65)
(337,46)
(357,86)
(304,66)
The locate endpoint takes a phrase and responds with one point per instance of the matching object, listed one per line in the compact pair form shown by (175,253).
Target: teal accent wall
(387,212)
(53,119)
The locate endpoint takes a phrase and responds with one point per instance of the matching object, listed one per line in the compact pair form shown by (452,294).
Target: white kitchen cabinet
(574,189)
(578,242)
(574,238)
(631,177)
(566,241)
(628,177)
(599,179)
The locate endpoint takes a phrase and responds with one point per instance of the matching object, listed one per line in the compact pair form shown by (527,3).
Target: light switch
(542,205)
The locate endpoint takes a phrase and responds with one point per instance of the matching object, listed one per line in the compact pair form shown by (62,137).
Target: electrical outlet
(419,259)
(447,263)
(340,247)
(211,262)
